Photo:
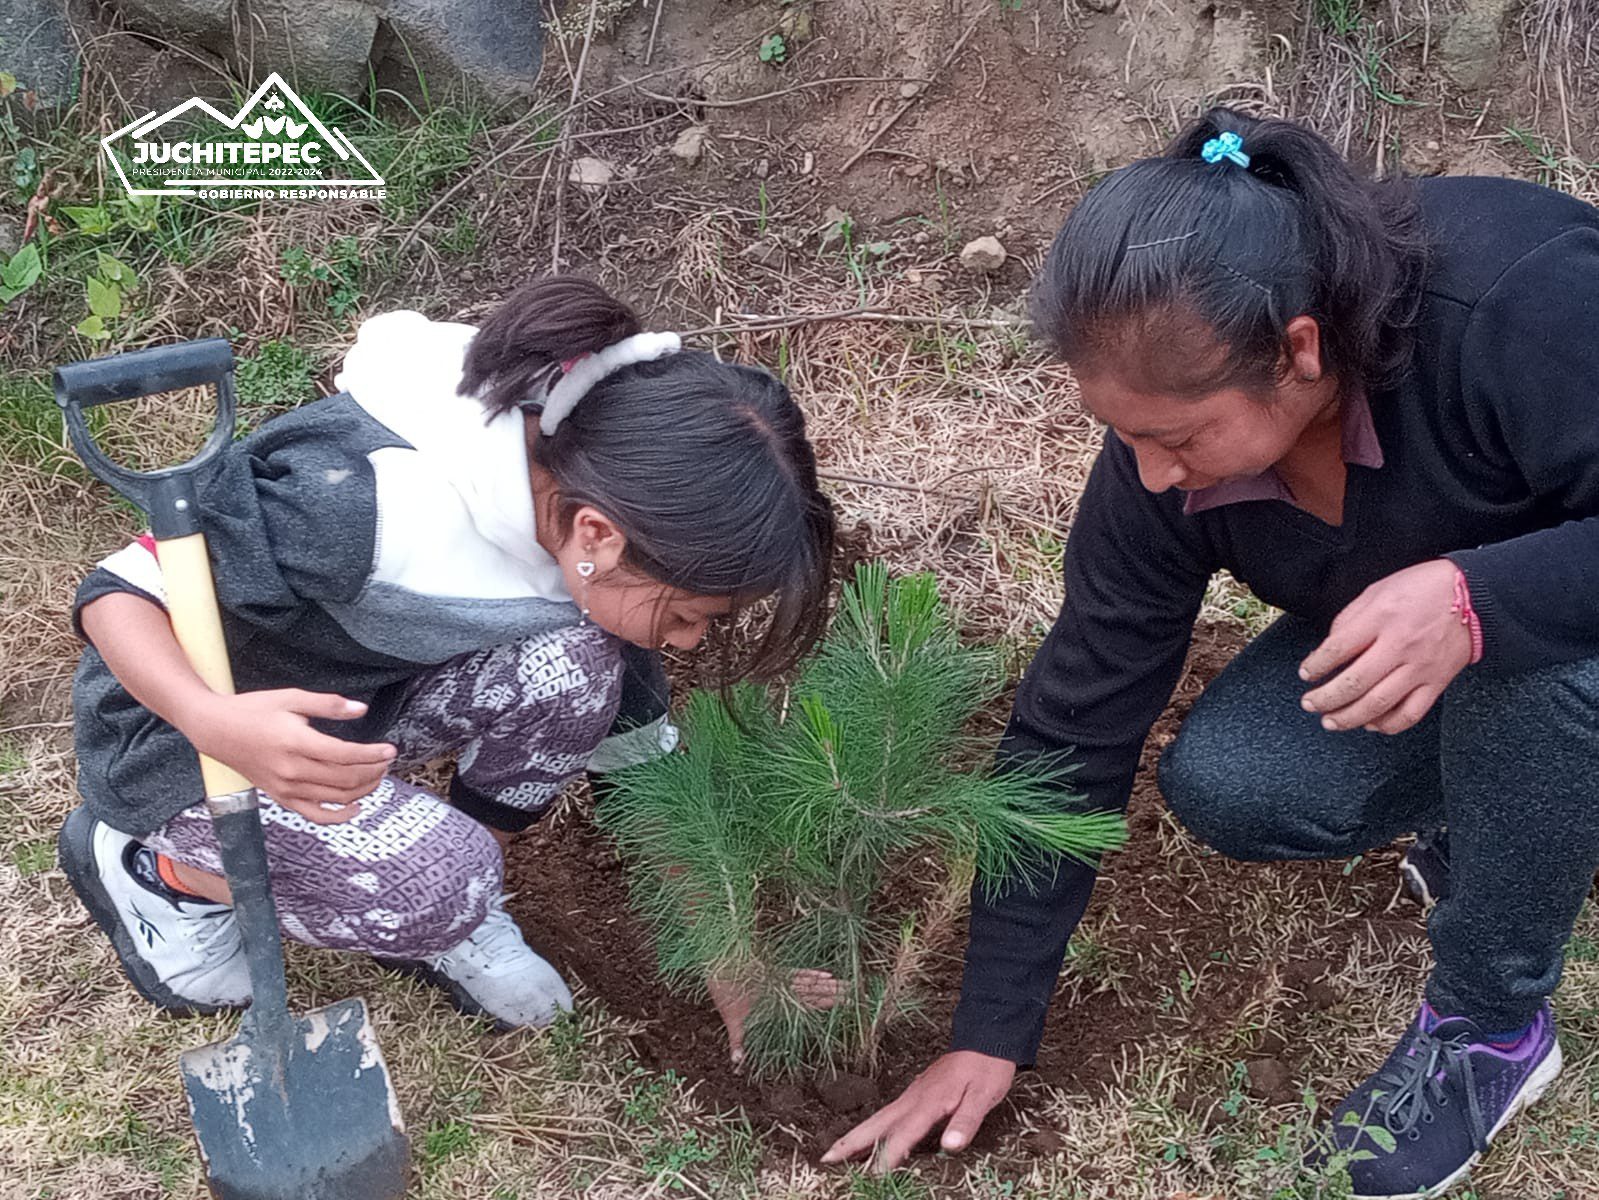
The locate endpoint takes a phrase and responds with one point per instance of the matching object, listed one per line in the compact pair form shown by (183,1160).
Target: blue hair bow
(1229,146)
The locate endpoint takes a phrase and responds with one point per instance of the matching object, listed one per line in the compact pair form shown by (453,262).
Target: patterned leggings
(412,875)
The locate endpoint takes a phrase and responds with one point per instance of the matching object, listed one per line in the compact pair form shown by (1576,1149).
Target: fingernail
(1304,674)
(953,1141)
(354,706)
(830,1157)
(1308,704)
(389,752)
(1329,723)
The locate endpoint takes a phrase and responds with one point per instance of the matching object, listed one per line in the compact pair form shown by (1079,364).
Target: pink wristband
(1468,617)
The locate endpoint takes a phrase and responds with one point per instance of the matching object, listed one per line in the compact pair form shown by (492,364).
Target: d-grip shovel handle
(169,497)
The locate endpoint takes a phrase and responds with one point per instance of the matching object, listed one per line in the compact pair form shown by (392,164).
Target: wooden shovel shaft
(235,817)
(197,624)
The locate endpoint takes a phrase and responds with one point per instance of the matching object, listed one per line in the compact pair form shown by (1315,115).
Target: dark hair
(703,465)
(1215,259)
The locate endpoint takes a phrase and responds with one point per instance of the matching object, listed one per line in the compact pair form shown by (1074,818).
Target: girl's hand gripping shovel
(290,1108)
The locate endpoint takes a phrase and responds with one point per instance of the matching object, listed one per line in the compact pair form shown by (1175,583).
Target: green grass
(277,377)
(32,858)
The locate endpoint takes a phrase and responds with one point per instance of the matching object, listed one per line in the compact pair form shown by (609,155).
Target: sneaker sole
(460,998)
(75,849)
(1530,1092)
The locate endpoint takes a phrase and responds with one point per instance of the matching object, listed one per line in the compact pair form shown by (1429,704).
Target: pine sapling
(837,825)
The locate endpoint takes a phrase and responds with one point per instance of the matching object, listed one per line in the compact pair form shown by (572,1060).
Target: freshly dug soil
(571,901)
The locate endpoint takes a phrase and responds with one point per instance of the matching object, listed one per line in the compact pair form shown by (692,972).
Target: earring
(585,571)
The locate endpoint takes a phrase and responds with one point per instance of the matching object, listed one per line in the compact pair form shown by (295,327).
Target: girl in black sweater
(1377,405)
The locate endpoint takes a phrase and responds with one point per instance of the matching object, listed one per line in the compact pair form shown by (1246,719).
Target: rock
(208,22)
(36,46)
(493,47)
(1469,48)
(690,144)
(910,89)
(846,1093)
(591,174)
(10,235)
(983,255)
(1268,1079)
(316,44)
(1101,6)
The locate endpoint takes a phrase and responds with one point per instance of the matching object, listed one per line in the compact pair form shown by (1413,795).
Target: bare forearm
(136,640)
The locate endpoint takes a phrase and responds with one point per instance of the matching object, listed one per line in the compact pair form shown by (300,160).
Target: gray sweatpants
(1509,762)
(413,874)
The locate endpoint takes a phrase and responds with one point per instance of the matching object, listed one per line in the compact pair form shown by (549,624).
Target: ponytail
(539,326)
(703,465)
(1216,257)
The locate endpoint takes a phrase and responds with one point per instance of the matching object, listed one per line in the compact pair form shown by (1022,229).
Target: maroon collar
(1360,449)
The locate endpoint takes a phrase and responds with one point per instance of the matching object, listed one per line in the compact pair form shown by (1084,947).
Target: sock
(157,873)
(1507,1041)
(1499,1041)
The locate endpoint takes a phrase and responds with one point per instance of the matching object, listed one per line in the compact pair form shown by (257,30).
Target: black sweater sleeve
(1530,363)
(1135,574)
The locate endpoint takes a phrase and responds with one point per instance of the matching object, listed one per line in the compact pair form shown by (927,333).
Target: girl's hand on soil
(963,1086)
(735,1000)
(267,737)
(1396,647)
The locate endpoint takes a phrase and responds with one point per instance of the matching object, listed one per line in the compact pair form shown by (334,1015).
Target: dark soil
(571,901)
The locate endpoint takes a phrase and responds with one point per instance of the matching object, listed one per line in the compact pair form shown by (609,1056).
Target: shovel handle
(230,797)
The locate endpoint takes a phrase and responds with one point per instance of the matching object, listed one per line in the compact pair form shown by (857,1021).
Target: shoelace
(210,928)
(1418,1081)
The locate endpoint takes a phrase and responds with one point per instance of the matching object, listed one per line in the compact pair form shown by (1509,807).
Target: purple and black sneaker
(1418,1126)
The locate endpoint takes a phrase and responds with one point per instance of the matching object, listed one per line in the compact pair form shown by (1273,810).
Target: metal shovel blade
(305,1111)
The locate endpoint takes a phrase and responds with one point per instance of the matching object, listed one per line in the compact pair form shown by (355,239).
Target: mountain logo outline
(281,111)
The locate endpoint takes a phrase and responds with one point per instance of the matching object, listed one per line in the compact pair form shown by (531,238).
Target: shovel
(291,1108)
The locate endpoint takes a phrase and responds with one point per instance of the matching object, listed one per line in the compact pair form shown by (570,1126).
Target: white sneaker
(181,954)
(494,973)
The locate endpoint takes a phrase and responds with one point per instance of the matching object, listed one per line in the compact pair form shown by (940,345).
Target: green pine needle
(781,838)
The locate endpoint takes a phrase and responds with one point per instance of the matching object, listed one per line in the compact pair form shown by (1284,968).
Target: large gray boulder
(317,44)
(208,23)
(36,46)
(494,47)
(1469,49)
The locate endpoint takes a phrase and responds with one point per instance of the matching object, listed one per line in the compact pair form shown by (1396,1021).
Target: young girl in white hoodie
(476,547)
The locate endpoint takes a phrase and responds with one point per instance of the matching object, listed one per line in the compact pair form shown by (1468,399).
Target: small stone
(10,236)
(847,1093)
(763,168)
(690,144)
(1433,145)
(1101,6)
(921,237)
(591,174)
(1469,49)
(808,164)
(983,255)
(910,89)
(1119,94)
(1268,1079)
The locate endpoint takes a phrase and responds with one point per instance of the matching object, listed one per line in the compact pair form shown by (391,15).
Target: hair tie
(586,370)
(1227,145)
